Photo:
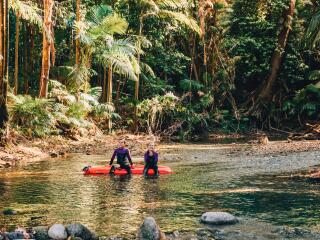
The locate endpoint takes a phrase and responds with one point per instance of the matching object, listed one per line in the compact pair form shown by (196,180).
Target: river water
(207,177)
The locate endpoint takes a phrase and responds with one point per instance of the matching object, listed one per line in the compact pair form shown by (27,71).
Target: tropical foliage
(172,67)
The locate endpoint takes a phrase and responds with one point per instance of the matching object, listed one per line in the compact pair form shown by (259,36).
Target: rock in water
(149,230)
(218,218)
(13,235)
(81,231)
(57,232)
(40,233)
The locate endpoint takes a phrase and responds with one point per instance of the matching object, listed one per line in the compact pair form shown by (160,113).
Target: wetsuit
(151,162)
(123,155)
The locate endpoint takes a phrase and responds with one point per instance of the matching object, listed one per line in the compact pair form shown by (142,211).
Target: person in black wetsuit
(123,158)
(151,161)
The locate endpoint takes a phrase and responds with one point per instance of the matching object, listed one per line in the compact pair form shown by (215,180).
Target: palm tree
(165,9)
(116,55)
(28,11)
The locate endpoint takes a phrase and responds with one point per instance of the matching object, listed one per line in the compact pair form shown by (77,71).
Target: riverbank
(24,151)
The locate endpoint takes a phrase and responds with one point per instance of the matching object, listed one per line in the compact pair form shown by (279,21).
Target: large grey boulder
(218,218)
(57,232)
(81,231)
(149,230)
(40,233)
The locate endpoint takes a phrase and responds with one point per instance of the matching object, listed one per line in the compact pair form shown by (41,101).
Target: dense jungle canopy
(171,67)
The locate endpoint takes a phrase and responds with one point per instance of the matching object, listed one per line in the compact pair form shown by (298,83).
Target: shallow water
(207,177)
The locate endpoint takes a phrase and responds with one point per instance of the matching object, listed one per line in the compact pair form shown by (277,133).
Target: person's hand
(132,166)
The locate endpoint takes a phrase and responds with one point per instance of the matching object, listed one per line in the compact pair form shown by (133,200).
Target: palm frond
(121,65)
(146,69)
(172,3)
(149,4)
(98,13)
(312,36)
(112,24)
(182,19)
(27,11)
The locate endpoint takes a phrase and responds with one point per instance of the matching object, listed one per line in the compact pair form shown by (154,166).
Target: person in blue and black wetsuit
(151,160)
(123,158)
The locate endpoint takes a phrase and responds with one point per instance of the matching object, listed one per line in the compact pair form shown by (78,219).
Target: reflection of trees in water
(2,187)
(151,190)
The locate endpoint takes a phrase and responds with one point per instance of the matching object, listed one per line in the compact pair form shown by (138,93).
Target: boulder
(40,233)
(149,230)
(57,232)
(218,218)
(81,231)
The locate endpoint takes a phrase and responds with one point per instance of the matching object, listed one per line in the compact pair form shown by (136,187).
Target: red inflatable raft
(135,170)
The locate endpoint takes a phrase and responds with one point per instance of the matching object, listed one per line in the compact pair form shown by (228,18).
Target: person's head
(122,143)
(151,146)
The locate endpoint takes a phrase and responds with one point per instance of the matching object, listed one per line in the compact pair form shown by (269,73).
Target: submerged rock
(57,232)
(149,230)
(218,218)
(14,235)
(19,233)
(40,233)
(81,231)
(9,211)
(296,233)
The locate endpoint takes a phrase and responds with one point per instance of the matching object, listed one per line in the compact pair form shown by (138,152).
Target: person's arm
(146,157)
(155,157)
(113,157)
(129,157)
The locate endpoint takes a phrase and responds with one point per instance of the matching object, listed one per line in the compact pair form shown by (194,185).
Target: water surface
(207,177)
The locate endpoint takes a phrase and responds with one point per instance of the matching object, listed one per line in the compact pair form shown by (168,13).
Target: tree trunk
(4,63)
(266,89)
(118,91)
(16,55)
(109,94)
(104,86)
(47,42)
(31,66)
(136,89)
(25,56)
(77,39)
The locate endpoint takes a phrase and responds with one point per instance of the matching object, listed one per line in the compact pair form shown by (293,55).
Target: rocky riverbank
(216,226)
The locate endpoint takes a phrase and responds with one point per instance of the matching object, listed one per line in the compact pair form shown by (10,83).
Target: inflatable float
(136,170)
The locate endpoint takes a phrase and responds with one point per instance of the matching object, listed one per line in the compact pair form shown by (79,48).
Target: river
(207,177)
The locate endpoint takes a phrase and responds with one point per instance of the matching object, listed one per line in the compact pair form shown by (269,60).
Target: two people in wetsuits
(124,159)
